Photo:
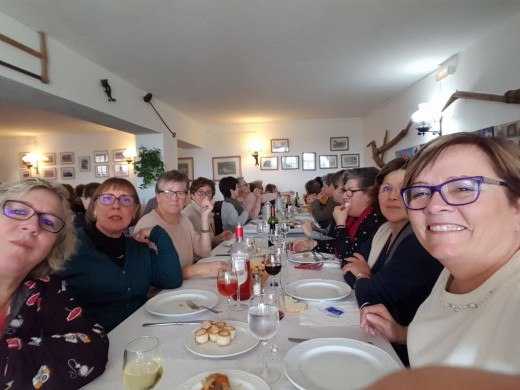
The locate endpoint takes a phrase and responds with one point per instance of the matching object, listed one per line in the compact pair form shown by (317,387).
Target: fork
(194,306)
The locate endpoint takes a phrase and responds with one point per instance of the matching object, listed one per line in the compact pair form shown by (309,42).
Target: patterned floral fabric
(47,342)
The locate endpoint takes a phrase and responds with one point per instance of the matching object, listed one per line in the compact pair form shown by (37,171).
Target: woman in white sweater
(462,192)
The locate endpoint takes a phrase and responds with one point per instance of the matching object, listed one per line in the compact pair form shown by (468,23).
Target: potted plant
(148,166)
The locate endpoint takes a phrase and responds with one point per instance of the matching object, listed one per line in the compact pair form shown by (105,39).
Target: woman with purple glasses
(462,192)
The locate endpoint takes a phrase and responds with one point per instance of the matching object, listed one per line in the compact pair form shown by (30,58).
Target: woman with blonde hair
(43,328)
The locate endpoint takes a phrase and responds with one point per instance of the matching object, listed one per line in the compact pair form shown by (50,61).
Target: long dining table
(180,364)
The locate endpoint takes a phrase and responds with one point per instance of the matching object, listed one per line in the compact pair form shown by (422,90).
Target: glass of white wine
(142,363)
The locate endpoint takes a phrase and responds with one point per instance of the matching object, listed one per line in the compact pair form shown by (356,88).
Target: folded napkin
(315,315)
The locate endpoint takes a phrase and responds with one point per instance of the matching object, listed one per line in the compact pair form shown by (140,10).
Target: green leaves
(148,166)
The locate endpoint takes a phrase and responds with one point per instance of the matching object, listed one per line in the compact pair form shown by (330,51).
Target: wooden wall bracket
(378,153)
(42,55)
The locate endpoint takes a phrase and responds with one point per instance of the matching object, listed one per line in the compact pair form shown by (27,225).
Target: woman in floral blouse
(47,343)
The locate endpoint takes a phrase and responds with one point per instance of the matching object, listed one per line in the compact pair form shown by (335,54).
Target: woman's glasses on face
(204,193)
(349,193)
(455,192)
(108,199)
(21,211)
(170,194)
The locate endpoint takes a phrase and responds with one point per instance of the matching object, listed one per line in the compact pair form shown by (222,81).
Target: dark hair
(256,184)
(168,176)
(336,179)
(200,182)
(326,179)
(312,187)
(319,180)
(89,189)
(365,176)
(503,155)
(79,190)
(117,183)
(70,189)
(269,188)
(226,184)
(391,166)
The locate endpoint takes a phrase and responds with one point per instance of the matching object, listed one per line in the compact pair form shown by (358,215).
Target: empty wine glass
(263,321)
(227,284)
(250,243)
(284,229)
(142,363)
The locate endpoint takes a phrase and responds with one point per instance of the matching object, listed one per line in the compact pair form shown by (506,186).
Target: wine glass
(251,247)
(240,267)
(142,363)
(273,266)
(263,321)
(227,284)
(284,229)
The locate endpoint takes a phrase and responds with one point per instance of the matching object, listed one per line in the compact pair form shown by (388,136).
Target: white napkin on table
(315,314)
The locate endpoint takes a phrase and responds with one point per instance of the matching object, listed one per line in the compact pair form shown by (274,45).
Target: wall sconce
(444,72)
(255,147)
(31,160)
(424,118)
(130,155)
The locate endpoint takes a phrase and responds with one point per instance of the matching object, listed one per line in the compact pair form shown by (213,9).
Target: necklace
(466,306)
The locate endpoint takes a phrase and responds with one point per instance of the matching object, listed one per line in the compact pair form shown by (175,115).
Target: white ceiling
(235,61)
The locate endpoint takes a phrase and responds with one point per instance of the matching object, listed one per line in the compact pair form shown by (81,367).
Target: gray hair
(65,243)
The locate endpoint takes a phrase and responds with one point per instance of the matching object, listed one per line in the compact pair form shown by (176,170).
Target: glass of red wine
(273,266)
(227,283)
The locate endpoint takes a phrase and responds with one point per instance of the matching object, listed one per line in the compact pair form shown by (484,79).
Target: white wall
(303,136)
(492,66)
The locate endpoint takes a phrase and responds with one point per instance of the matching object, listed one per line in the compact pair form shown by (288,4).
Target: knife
(297,339)
(173,323)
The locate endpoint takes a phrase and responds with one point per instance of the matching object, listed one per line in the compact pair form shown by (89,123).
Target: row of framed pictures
(67,158)
(68,173)
(328,161)
(282,145)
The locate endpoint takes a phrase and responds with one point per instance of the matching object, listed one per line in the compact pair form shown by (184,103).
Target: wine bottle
(240,262)
(272,221)
(296,200)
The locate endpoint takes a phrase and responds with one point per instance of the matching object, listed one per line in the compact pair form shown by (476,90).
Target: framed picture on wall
(279,145)
(308,161)
(338,143)
(226,166)
(328,161)
(67,173)
(117,155)
(268,163)
(121,170)
(349,160)
(49,159)
(66,158)
(290,162)
(185,165)
(49,173)
(102,170)
(25,173)
(84,164)
(101,156)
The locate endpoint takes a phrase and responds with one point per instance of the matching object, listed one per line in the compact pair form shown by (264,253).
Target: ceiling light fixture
(444,72)
(148,99)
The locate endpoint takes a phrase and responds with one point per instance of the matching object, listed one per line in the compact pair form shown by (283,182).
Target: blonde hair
(65,243)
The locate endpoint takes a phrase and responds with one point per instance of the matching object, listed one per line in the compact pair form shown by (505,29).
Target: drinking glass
(262,229)
(273,266)
(227,284)
(263,321)
(284,229)
(250,243)
(142,363)
(275,235)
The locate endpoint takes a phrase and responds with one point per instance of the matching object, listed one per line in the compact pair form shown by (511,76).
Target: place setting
(175,303)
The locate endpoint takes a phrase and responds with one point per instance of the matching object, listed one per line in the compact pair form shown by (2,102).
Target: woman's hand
(143,235)
(340,213)
(303,245)
(307,228)
(357,265)
(224,236)
(376,318)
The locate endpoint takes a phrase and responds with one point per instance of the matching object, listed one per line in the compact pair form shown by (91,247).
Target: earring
(94,216)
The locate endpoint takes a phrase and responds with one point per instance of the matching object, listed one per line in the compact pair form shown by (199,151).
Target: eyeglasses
(455,192)
(388,189)
(169,194)
(108,199)
(243,185)
(350,193)
(21,211)
(204,193)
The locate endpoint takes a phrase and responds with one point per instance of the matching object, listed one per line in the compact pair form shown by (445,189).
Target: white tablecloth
(180,364)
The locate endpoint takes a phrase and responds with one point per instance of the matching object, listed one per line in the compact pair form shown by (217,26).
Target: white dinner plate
(318,289)
(343,364)
(213,258)
(173,303)
(308,257)
(243,342)
(237,379)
